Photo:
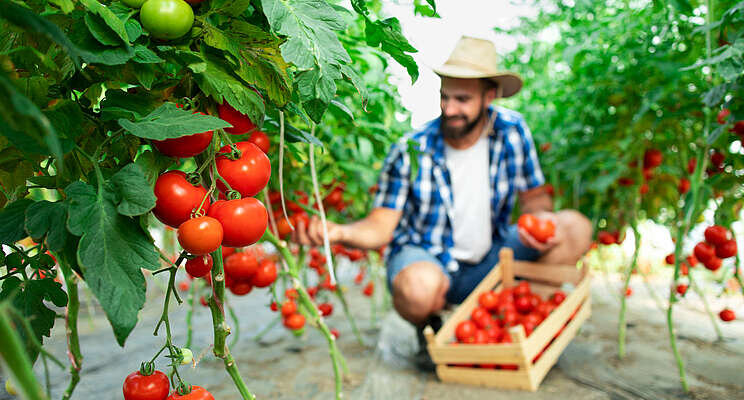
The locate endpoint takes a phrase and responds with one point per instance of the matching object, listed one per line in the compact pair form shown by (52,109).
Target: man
(448,222)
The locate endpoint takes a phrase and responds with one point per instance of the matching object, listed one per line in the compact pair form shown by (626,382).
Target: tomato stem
(16,362)
(190,312)
(349,316)
(713,320)
(623,299)
(71,328)
(319,201)
(266,329)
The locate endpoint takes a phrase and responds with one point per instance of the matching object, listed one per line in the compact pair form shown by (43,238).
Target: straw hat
(477,58)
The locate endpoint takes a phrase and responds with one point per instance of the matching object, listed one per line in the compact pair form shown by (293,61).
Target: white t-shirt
(471,192)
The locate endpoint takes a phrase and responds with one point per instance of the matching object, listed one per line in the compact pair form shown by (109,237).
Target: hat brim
(510,83)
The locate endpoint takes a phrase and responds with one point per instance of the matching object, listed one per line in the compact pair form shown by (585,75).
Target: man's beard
(450,132)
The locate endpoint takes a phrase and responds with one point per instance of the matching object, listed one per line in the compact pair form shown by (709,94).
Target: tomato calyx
(183,389)
(147,368)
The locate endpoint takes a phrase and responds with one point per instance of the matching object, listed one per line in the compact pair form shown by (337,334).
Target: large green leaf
(11,221)
(388,35)
(134,191)
(48,220)
(112,250)
(107,20)
(219,84)
(169,121)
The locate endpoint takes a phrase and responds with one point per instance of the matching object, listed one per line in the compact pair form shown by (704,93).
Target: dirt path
(284,367)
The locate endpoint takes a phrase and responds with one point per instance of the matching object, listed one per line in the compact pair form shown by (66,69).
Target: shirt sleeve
(394,181)
(530,169)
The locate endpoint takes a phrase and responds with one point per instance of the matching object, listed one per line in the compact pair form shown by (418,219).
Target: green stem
(713,320)
(16,362)
(266,329)
(349,316)
(164,319)
(190,312)
(651,291)
(221,330)
(236,322)
(622,327)
(71,322)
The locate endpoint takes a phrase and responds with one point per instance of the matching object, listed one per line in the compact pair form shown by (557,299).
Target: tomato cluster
(608,238)
(716,247)
(540,229)
(498,311)
(155,386)
(247,269)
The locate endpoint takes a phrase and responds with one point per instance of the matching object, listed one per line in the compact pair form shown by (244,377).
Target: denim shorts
(468,276)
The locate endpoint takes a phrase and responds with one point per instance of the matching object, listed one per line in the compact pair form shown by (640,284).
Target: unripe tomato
(248,174)
(200,235)
(199,266)
(166,19)
(197,393)
(240,122)
(10,388)
(134,3)
(186,356)
(177,198)
(146,387)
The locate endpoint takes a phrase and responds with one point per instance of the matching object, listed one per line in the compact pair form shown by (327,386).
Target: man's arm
(535,200)
(369,233)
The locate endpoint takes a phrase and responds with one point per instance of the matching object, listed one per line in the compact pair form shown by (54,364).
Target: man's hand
(312,234)
(529,241)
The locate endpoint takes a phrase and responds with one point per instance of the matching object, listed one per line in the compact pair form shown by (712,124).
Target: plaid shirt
(426,200)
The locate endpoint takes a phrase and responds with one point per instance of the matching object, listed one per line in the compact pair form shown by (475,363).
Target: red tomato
(703,251)
(692,260)
(288,308)
(494,333)
(669,259)
(199,266)
(203,301)
(684,185)
(241,266)
(652,158)
(248,174)
(509,318)
(295,321)
(274,306)
(261,140)
(177,198)
(683,269)
(326,309)
(265,275)
(523,304)
(335,333)
(283,227)
(185,146)
(369,289)
(726,249)
(312,291)
(200,235)
(291,293)
(488,300)
(644,188)
(240,122)
(480,337)
(682,289)
(717,159)
(528,222)
(648,174)
(146,387)
(605,237)
(335,197)
(523,288)
(485,321)
(625,181)
(465,331)
(184,286)
(244,220)
(197,393)
(713,263)
(727,315)
(716,235)
(723,116)
(355,254)
(558,297)
(478,312)
(240,288)
(544,230)
(691,165)
(628,293)
(227,251)
(359,277)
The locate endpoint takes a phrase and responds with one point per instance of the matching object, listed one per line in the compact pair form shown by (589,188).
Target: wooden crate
(544,279)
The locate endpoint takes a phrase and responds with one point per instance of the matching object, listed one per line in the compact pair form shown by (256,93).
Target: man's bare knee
(416,288)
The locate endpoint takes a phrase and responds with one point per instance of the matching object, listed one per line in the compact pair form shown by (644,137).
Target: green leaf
(98,28)
(387,34)
(358,83)
(46,219)
(11,221)
(65,5)
(31,22)
(341,106)
(145,75)
(716,134)
(715,94)
(120,104)
(109,18)
(230,7)
(143,55)
(94,52)
(219,84)
(169,121)
(112,250)
(152,164)
(135,192)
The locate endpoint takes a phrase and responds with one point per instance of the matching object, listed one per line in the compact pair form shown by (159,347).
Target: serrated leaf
(230,7)
(168,121)
(715,94)
(216,82)
(134,191)
(11,221)
(95,53)
(388,35)
(341,106)
(65,5)
(109,18)
(112,250)
(358,83)
(145,75)
(98,28)
(134,29)
(120,104)
(143,55)
(46,219)
(152,164)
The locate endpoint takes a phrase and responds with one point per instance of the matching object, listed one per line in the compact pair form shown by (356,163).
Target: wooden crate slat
(447,332)
(551,354)
(508,379)
(548,328)
(543,289)
(551,273)
(506,353)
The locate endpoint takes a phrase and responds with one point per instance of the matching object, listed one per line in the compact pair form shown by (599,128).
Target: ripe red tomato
(628,293)
(713,263)
(265,275)
(669,259)
(480,337)
(648,174)
(282,226)
(478,312)
(528,222)
(185,146)
(652,158)
(146,387)
(691,165)
(684,186)
(727,315)
(248,174)
(203,301)
(199,266)
(274,307)
(485,321)
(726,249)
(717,159)
(703,251)
(558,297)
(494,333)
(241,266)
(716,235)
(166,19)
(288,308)
(335,197)
(369,289)
(200,235)
(488,300)
(261,140)
(465,331)
(355,255)
(335,333)
(683,269)
(197,393)
(738,129)
(240,122)
(184,286)
(605,237)
(510,317)
(643,189)
(723,116)
(522,289)
(291,293)
(544,230)
(295,321)
(682,289)
(240,288)
(177,198)
(523,304)
(326,309)
(243,220)
(625,181)
(692,260)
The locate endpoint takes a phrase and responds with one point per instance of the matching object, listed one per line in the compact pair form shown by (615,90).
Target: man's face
(464,103)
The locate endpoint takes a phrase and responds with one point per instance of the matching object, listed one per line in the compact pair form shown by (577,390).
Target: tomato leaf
(152,164)
(114,24)
(46,219)
(388,35)
(216,82)
(169,121)
(143,55)
(120,104)
(28,299)
(93,52)
(137,196)
(11,221)
(112,250)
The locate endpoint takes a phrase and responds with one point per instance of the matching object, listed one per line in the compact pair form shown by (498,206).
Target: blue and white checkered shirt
(426,201)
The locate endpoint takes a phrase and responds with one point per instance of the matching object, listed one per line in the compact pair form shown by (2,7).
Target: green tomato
(134,3)
(166,19)
(186,356)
